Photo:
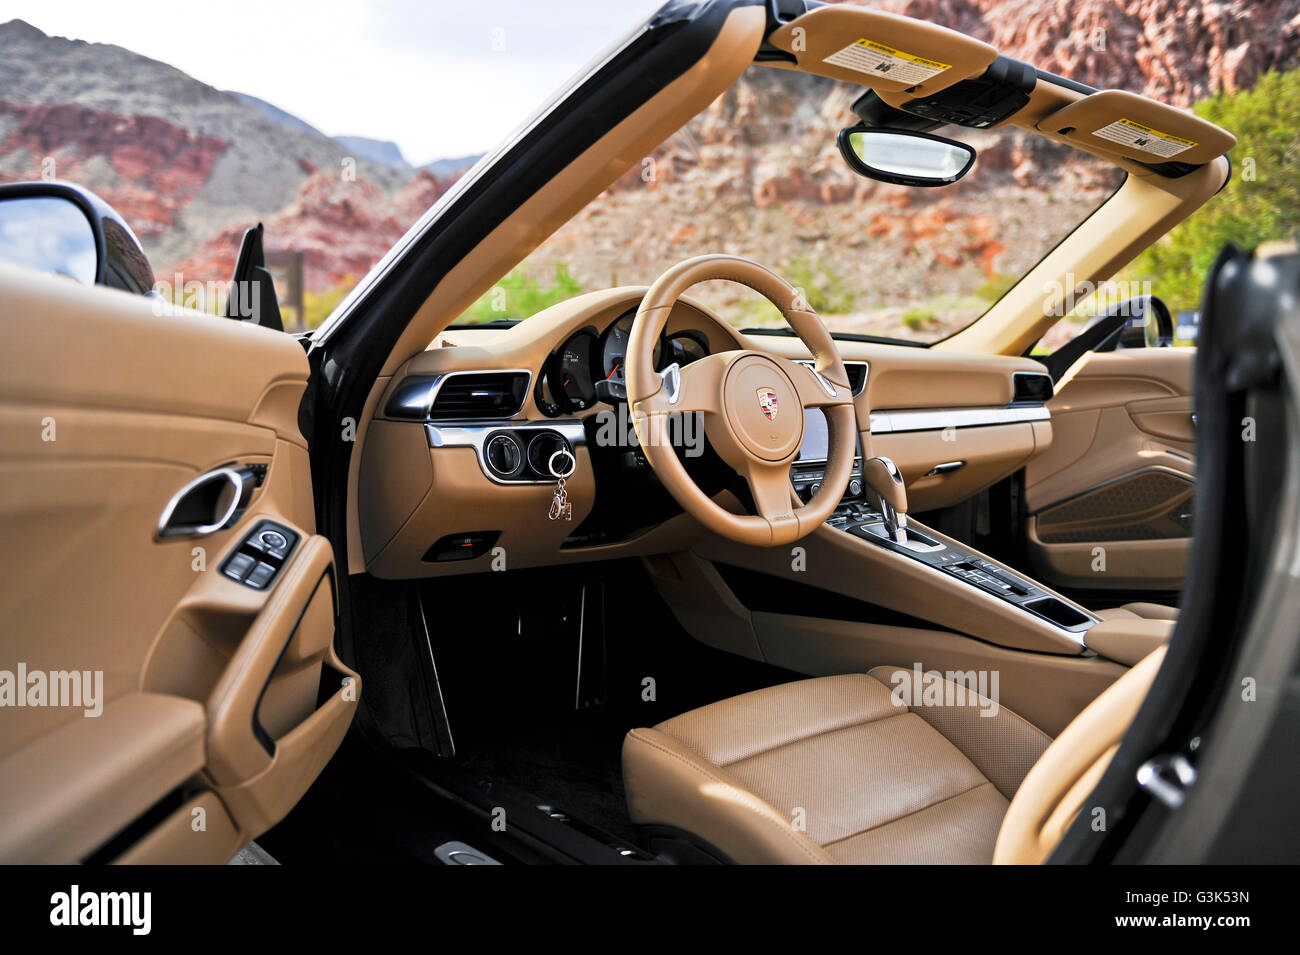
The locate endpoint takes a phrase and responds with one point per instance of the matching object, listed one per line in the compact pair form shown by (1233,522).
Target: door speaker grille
(1150,505)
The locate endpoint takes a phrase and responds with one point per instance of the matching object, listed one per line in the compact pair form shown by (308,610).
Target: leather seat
(842,770)
(1142,611)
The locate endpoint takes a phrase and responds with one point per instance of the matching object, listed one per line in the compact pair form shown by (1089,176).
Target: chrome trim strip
(474,435)
(938,419)
(445,723)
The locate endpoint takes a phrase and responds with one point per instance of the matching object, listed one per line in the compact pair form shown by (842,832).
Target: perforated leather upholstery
(835,769)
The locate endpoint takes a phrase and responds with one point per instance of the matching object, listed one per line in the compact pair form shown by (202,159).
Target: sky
(439,78)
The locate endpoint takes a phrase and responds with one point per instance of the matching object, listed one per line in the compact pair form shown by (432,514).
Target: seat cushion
(835,769)
(1144,611)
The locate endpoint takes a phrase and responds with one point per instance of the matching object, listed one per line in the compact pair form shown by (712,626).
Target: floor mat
(572,764)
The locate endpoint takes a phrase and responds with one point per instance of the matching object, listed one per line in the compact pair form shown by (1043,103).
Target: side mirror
(904,157)
(61,228)
(1149,324)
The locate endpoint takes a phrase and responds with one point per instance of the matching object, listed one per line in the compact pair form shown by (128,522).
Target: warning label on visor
(876,59)
(1144,138)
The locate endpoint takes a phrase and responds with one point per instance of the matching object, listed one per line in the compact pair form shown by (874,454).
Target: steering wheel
(752,405)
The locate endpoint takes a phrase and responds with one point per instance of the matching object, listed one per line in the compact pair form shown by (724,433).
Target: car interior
(621,583)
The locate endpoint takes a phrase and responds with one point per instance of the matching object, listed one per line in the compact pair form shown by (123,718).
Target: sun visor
(882,50)
(1138,128)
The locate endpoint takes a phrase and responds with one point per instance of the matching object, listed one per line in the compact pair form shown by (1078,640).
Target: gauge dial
(570,376)
(686,347)
(613,349)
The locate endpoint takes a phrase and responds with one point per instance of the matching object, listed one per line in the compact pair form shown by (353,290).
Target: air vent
(857,375)
(492,394)
(1031,388)
(857,372)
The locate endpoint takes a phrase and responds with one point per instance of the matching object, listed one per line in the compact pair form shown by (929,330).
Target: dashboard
(570,380)
(455,458)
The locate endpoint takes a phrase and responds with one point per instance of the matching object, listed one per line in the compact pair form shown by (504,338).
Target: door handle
(207,504)
(946,468)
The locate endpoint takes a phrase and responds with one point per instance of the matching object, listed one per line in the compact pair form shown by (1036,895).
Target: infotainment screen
(814,447)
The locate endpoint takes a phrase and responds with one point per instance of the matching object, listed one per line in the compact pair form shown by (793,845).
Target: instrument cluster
(568,382)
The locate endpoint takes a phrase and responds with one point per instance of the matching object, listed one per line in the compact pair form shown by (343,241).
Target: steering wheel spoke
(695,387)
(773,493)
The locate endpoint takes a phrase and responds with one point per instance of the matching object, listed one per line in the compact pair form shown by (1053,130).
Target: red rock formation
(342,227)
(160,165)
(1178,51)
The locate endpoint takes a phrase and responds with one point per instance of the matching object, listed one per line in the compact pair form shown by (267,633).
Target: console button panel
(968,566)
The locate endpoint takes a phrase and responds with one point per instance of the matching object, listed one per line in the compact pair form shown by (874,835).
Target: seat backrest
(1054,791)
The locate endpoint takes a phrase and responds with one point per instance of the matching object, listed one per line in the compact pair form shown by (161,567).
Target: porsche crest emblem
(767,403)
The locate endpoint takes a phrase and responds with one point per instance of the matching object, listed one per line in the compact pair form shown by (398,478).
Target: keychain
(561,508)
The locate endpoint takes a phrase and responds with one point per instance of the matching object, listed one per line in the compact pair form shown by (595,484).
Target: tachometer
(613,347)
(570,375)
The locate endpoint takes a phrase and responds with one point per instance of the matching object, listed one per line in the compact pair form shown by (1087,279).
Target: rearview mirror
(904,157)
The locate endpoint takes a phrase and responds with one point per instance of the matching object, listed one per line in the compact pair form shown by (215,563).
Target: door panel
(1119,475)
(108,406)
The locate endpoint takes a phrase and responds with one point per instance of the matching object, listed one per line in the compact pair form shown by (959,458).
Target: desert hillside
(190,166)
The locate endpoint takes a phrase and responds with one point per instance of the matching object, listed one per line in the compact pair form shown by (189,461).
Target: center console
(874,509)
(866,521)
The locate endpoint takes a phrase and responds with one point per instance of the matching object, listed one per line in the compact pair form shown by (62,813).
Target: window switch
(239,566)
(261,575)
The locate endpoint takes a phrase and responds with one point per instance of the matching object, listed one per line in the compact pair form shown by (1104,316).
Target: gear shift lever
(886,483)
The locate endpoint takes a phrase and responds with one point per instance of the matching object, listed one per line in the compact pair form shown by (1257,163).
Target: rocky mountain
(1178,51)
(382,151)
(191,166)
(182,161)
(790,201)
(453,166)
(277,115)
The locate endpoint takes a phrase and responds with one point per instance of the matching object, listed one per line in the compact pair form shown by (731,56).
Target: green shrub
(316,306)
(1261,201)
(519,295)
(821,287)
(996,287)
(918,317)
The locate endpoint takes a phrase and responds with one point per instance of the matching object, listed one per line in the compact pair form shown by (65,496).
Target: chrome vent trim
(416,398)
(857,371)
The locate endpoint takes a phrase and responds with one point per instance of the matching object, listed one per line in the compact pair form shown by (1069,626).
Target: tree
(1261,201)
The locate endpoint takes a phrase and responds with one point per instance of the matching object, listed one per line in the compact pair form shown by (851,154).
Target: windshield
(758,174)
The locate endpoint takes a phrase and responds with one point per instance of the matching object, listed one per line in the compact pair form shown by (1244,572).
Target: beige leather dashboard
(424,483)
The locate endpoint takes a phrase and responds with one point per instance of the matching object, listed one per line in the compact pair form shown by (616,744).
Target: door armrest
(68,792)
